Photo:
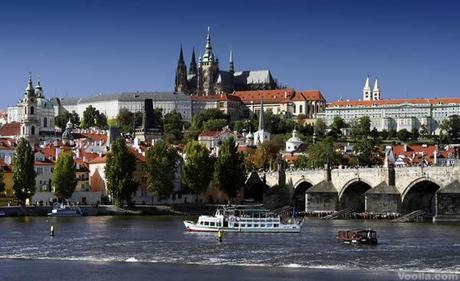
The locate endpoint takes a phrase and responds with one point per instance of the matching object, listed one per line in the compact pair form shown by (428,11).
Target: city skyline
(83,48)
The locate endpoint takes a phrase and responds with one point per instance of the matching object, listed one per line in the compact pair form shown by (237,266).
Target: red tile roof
(99,160)
(217,97)
(10,129)
(279,96)
(433,101)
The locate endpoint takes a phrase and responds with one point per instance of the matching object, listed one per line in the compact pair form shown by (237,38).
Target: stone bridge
(434,189)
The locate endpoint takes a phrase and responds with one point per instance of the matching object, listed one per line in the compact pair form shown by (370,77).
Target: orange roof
(10,129)
(98,160)
(209,133)
(7,144)
(433,101)
(91,136)
(279,96)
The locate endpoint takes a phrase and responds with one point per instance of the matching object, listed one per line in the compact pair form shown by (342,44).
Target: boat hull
(284,228)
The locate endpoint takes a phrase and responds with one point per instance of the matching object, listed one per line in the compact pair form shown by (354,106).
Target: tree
(361,128)
(266,155)
(93,118)
(214,124)
(404,135)
(64,176)
(209,114)
(320,128)
(161,166)
(229,170)
(415,134)
(173,124)
(64,117)
(119,170)
(125,120)
(321,153)
(450,129)
(198,168)
(23,171)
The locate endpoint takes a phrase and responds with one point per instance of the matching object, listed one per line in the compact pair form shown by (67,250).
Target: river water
(157,248)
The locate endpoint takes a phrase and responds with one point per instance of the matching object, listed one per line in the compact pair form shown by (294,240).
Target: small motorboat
(2,214)
(363,236)
(65,211)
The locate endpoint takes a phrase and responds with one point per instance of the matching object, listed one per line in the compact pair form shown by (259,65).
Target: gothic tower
(181,74)
(30,122)
(192,69)
(208,69)
(367,95)
(231,66)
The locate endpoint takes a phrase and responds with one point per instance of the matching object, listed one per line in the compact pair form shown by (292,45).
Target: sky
(81,48)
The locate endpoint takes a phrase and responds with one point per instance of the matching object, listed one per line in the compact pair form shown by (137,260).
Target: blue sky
(84,47)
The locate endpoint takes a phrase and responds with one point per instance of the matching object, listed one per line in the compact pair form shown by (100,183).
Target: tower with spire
(193,69)
(367,94)
(376,91)
(261,135)
(231,66)
(181,74)
(208,68)
(30,122)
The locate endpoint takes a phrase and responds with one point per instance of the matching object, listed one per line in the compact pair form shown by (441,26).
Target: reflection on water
(414,247)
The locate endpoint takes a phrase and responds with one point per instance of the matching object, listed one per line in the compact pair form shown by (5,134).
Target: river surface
(157,248)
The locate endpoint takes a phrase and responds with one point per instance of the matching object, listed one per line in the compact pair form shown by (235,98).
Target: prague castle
(206,78)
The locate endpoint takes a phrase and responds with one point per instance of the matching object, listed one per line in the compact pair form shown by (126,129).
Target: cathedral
(206,78)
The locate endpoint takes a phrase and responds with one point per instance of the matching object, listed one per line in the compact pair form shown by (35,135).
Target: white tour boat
(64,211)
(243,219)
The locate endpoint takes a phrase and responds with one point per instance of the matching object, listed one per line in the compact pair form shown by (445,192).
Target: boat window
(243,225)
(211,223)
(249,225)
(201,222)
(218,224)
(275,225)
(256,225)
(262,225)
(206,223)
(235,225)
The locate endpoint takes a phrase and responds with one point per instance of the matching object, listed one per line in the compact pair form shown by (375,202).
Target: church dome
(44,103)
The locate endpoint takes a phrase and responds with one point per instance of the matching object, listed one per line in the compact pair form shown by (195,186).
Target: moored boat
(364,236)
(243,219)
(65,211)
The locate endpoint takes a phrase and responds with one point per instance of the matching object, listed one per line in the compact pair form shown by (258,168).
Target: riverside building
(393,114)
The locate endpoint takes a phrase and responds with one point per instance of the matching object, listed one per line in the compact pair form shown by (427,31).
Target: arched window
(31,110)
(25,110)
(45,122)
(32,130)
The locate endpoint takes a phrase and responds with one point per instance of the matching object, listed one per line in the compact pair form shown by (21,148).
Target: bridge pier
(447,203)
(322,197)
(383,198)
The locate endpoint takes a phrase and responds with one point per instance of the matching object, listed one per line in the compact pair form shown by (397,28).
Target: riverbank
(110,210)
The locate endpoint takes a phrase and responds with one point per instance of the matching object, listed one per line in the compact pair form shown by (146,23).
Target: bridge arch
(420,195)
(298,196)
(352,195)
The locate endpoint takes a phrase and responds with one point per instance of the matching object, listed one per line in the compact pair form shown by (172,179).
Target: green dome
(44,103)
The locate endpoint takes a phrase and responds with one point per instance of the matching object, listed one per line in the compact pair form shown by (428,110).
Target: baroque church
(206,78)
(34,112)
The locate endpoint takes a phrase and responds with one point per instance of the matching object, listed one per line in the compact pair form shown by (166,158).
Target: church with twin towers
(205,77)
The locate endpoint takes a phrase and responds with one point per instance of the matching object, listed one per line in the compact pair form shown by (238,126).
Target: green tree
(198,167)
(322,152)
(214,124)
(320,128)
(64,117)
(161,167)
(361,128)
(415,134)
(89,117)
(173,124)
(404,135)
(229,170)
(119,170)
(125,120)
(450,129)
(266,155)
(101,121)
(209,114)
(23,171)
(64,177)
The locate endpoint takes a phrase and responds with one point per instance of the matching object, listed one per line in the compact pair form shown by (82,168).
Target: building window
(31,110)
(32,130)
(45,122)
(300,108)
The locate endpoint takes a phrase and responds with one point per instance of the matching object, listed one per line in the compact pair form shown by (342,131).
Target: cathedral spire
(29,88)
(231,66)
(193,69)
(367,95)
(181,74)
(208,55)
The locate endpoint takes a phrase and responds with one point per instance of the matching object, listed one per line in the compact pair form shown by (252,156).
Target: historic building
(206,78)
(394,114)
(111,104)
(34,112)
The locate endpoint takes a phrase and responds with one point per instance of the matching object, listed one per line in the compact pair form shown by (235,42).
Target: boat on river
(241,218)
(65,211)
(363,236)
